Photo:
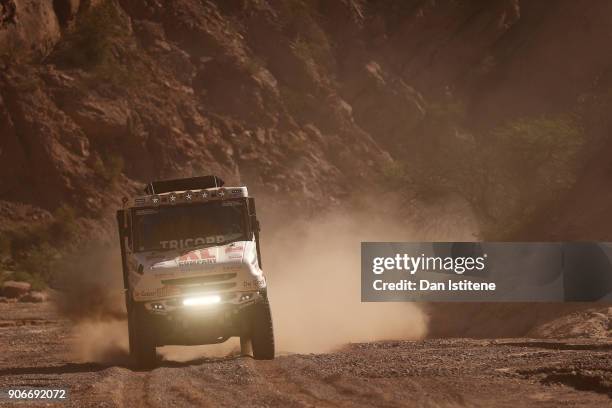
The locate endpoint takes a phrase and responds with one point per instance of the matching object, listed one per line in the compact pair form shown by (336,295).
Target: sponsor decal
(232,248)
(254,283)
(159,292)
(197,241)
(191,242)
(198,257)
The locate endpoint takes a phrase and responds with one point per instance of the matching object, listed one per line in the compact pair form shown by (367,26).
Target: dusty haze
(315,276)
(313,270)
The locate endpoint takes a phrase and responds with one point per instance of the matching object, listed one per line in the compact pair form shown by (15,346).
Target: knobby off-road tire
(261,331)
(142,344)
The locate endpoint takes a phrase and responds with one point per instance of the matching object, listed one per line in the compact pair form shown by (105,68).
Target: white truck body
(174,274)
(192,268)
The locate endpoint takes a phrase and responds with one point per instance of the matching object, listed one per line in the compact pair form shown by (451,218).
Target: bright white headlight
(201,300)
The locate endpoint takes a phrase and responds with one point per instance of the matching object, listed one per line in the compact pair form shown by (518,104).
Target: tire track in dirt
(283,382)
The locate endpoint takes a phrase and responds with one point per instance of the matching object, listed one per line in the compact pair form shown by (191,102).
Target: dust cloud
(91,284)
(314,276)
(92,297)
(313,271)
(101,341)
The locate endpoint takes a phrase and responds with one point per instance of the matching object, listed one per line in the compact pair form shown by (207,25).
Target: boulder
(34,297)
(27,28)
(14,289)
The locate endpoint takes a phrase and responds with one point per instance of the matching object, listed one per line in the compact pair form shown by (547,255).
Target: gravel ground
(430,373)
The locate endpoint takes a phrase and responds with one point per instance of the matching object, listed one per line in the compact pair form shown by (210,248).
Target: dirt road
(34,351)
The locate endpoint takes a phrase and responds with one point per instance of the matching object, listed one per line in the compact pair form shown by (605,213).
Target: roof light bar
(192,183)
(191,196)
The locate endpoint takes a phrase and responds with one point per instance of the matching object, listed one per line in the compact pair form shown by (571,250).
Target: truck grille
(198,280)
(209,288)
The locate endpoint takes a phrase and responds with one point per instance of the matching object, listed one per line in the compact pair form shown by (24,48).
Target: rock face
(596,323)
(384,105)
(298,99)
(13,289)
(28,28)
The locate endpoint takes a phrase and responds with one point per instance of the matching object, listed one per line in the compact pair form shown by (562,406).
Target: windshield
(164,228)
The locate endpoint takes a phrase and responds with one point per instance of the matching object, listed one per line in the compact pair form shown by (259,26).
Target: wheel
(262,332)
(142,343)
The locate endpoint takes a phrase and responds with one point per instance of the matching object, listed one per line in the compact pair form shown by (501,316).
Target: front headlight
(247,296)
(201,300)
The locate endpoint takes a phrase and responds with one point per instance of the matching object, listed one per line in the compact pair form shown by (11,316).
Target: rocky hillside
(503,103)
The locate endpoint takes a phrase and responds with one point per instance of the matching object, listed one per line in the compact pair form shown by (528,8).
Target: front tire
(142,343)
(262,332)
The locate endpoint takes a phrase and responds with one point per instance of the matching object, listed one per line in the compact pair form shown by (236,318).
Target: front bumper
(177,324)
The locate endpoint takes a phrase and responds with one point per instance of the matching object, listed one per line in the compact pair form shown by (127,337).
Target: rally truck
(192,269)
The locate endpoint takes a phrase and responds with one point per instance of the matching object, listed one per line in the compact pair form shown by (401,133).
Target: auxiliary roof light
(190,196)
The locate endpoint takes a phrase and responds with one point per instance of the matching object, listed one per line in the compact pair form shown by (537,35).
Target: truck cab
(192,268)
